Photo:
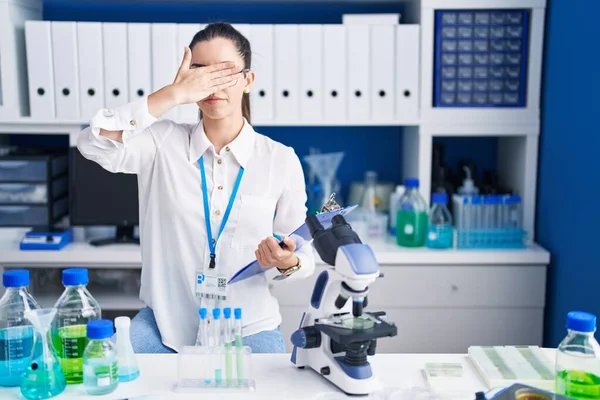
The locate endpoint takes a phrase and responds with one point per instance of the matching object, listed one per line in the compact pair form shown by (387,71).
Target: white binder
(164,59)
(91,70)
(116,85)
(64,50)
(407,72)
(40,71)
(262,92)
(383,87)
(335,63)
(371,19)
(139,60)
(186,113)
(359,75)
(287,74)
(311,72)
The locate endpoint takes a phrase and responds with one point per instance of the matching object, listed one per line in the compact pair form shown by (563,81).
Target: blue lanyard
(212,244)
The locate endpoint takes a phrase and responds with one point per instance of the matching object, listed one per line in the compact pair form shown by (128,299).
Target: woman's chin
(215,112)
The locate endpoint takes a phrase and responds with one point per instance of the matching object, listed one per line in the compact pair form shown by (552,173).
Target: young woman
(212,195)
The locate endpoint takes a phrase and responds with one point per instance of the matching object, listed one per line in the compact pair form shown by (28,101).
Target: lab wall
(366,148)
(567,215)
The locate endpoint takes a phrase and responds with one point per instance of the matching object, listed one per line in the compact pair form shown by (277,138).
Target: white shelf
(387,253)
(106,300)
(27,125)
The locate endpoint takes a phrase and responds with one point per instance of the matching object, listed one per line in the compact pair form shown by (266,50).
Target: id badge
(211,286)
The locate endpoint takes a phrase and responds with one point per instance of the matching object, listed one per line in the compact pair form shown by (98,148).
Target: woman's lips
(213,100)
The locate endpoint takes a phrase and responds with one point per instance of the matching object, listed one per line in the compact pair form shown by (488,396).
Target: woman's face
(227,101)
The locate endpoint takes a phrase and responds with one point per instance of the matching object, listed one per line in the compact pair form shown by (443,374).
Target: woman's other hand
(270,254)
(194,84)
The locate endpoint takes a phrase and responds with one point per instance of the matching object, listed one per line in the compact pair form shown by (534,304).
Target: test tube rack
(487,225)
(214,368)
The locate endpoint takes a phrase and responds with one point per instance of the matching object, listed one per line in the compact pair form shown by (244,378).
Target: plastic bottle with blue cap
(75,308)
(16,332)
(578,359)
(439,230)
(100,364)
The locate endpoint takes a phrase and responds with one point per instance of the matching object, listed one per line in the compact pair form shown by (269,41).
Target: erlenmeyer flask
(44,377)
(325,167)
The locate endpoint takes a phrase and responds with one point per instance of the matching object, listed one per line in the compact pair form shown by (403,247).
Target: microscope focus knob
(306,338)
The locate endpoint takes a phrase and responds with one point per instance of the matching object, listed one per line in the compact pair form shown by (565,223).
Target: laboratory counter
(277,378)
(81,253)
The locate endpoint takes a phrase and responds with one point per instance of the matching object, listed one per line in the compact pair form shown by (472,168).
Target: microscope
(335,334)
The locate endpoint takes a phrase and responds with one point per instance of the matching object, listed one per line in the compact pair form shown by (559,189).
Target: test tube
(238,344)
(216,338)
(477,221)
(466,218)
(202,338)
(515,211)
(227,337)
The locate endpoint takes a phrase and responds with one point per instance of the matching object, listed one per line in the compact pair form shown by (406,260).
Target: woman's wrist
(163,100)
(291,262)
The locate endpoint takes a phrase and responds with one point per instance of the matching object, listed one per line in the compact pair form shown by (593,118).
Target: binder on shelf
(287,74)
(165,58)
(311,72)
(359,75)
(262,93)
(383,72)
(64,58)
(187,113)
(91,71)
(116,85)
(407,72)
(139,60)
(370,19)
(40,70)
(335,74)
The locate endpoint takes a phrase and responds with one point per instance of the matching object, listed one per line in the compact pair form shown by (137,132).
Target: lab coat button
(132,122)
(219,161)
(108,113)
(220,187)
(227,148)
(217,212)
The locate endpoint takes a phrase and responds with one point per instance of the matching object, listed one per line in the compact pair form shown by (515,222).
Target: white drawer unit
(443,309)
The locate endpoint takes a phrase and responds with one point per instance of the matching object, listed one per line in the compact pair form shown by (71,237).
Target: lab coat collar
(242,146)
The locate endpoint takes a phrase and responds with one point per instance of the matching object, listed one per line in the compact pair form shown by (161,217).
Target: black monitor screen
(99,197)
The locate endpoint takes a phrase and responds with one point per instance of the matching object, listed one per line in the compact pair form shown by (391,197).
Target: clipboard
(301,237)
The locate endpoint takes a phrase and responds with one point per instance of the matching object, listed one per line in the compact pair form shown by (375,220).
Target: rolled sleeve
(291,213)
(132,119)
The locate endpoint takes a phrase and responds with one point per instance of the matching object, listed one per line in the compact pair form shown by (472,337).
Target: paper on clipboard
(301,236)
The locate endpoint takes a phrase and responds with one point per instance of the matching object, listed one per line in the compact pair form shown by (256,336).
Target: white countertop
(277,378)
(80,253)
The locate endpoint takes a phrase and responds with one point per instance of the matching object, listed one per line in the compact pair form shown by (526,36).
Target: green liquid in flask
(578,385)
(70,342)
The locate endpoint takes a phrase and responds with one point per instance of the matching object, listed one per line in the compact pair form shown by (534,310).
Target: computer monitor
(99,197)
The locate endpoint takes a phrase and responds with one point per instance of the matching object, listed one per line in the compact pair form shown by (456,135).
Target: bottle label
(409,229)
(433,236)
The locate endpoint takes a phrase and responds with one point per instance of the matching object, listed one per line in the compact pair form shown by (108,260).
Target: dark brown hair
(226,31)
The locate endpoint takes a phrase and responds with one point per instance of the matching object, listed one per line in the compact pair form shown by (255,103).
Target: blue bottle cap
(476,200)
(237,312)
(15,278)
(515,199)
(75,276)
(99,329)
(411,183)
(439,198)
(216,313)
(489,200)
(581,321)
(227,312)
(203,312)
